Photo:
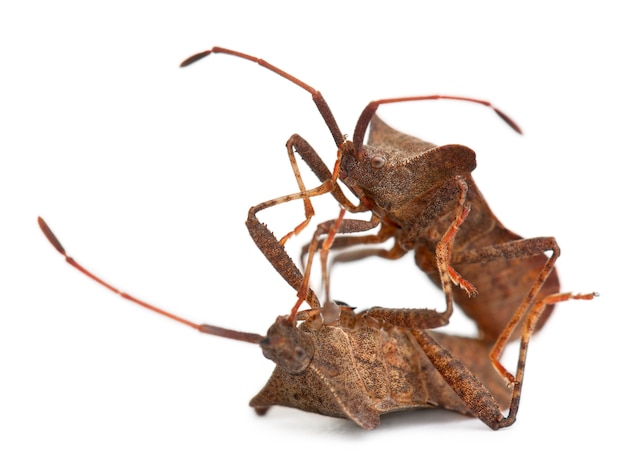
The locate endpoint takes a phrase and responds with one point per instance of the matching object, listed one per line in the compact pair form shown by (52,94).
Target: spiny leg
(443,251)
(474,394)
(329,180)
(528,327)
(530,310)
(462,380)
(277,256)
(272,248)
(527,330)
(459,377)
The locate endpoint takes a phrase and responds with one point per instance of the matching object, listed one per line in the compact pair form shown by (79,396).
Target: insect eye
(299,353)
(377,162)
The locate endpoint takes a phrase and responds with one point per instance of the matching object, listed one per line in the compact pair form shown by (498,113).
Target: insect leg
(506,319)
(527,330)
(297,144)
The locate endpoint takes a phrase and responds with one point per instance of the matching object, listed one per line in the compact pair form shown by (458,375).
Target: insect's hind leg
(469,388)
(528,328)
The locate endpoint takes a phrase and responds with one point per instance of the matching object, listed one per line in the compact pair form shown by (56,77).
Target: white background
(146,172)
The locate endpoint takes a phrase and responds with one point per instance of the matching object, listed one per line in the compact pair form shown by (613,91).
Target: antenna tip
(194,58)
(51,236)
(509,121)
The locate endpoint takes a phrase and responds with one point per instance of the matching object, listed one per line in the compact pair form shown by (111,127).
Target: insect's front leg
(276,254)
(298,145)
(270,246)
(443,251)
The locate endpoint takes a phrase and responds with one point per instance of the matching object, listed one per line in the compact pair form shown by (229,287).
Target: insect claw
(462,283)
(469,288)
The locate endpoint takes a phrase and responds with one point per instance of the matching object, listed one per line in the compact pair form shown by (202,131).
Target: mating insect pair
(358,366)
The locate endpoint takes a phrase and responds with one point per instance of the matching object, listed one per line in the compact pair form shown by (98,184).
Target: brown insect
(422,196)
(371,363)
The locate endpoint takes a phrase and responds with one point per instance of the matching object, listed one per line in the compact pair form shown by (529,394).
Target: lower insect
(370,363)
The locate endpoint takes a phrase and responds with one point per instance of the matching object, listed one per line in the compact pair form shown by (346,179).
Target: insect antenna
(203,328)
(318,98)
(370,109)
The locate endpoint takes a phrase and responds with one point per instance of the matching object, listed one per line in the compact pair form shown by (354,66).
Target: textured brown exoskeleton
(423,196)
(367,364)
